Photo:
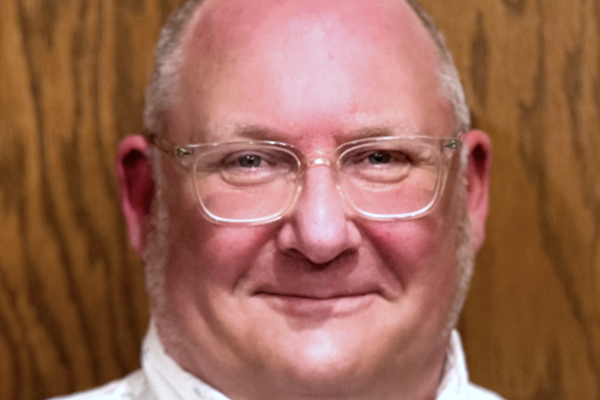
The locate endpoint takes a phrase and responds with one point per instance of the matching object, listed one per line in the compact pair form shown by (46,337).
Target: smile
(334,306)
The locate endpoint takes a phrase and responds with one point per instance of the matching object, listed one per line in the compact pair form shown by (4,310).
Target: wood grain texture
(532,73)
(72,303)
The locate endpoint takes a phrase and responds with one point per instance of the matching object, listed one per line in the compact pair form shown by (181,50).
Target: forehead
(228,25)
(288,63)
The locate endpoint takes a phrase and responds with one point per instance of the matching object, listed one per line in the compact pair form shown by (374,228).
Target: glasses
(256,182)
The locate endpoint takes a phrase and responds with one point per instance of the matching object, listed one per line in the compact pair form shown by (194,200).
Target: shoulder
(479,393)
(133,387)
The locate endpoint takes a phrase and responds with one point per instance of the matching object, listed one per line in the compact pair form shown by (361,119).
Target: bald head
(304,58)
(322,301)
(236,22)
(218,24)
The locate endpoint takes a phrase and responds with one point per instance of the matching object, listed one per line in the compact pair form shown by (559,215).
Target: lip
(318,307)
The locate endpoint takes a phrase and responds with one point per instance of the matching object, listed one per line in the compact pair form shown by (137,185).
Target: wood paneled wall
(532,73)
(72,303)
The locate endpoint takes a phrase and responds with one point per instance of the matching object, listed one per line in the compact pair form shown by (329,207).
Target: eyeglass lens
(256,182)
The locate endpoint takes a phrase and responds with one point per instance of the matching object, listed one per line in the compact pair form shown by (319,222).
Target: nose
(319,227)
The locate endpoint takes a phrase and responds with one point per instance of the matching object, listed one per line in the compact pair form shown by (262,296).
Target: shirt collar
(170,382)
(455,381)
(167,379)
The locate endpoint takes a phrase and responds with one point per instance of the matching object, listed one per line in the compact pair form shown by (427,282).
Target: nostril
(319,234)
(316,265)
(320,227)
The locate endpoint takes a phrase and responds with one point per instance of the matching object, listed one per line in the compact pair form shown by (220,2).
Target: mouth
(318,306)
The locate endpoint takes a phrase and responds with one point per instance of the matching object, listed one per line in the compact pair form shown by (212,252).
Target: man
(307,198)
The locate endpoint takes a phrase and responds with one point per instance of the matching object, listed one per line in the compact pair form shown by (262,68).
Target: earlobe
(478,176)
(136,182)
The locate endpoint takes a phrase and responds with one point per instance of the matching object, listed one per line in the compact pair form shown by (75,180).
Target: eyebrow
(241,131)
(381,131)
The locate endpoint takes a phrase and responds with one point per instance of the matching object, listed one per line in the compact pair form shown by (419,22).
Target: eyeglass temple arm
(454,143)
(165,146)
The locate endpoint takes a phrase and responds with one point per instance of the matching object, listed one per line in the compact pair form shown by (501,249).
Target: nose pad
(319,226)
(319,161)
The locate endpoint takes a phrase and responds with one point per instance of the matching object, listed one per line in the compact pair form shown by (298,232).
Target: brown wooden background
(72,306)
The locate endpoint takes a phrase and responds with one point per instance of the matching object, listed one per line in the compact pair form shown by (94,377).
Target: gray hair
(163,88)
(451,86)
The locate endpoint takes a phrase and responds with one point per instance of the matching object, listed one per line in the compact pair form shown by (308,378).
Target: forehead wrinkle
(243,131)
(234,131)
(353,126)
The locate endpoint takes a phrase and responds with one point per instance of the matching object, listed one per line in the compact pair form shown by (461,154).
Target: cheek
(205,257)
(420,252)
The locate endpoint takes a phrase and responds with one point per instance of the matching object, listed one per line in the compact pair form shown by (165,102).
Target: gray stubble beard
(157,250)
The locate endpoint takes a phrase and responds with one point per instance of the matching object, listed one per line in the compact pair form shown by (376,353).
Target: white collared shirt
(161,378)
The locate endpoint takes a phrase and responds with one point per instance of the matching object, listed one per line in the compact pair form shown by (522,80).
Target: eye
(382,157)
(245,160)
(379,158)
(386,157)
(255,160)
(249,161)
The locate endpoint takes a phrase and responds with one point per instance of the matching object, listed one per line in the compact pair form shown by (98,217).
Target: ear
(137,189)
(478,177)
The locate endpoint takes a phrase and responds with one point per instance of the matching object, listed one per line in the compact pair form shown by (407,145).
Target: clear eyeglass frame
(444,150)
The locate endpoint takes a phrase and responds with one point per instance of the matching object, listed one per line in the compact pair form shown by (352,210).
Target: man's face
(322,301)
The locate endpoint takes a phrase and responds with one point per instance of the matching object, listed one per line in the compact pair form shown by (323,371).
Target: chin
(328,363)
